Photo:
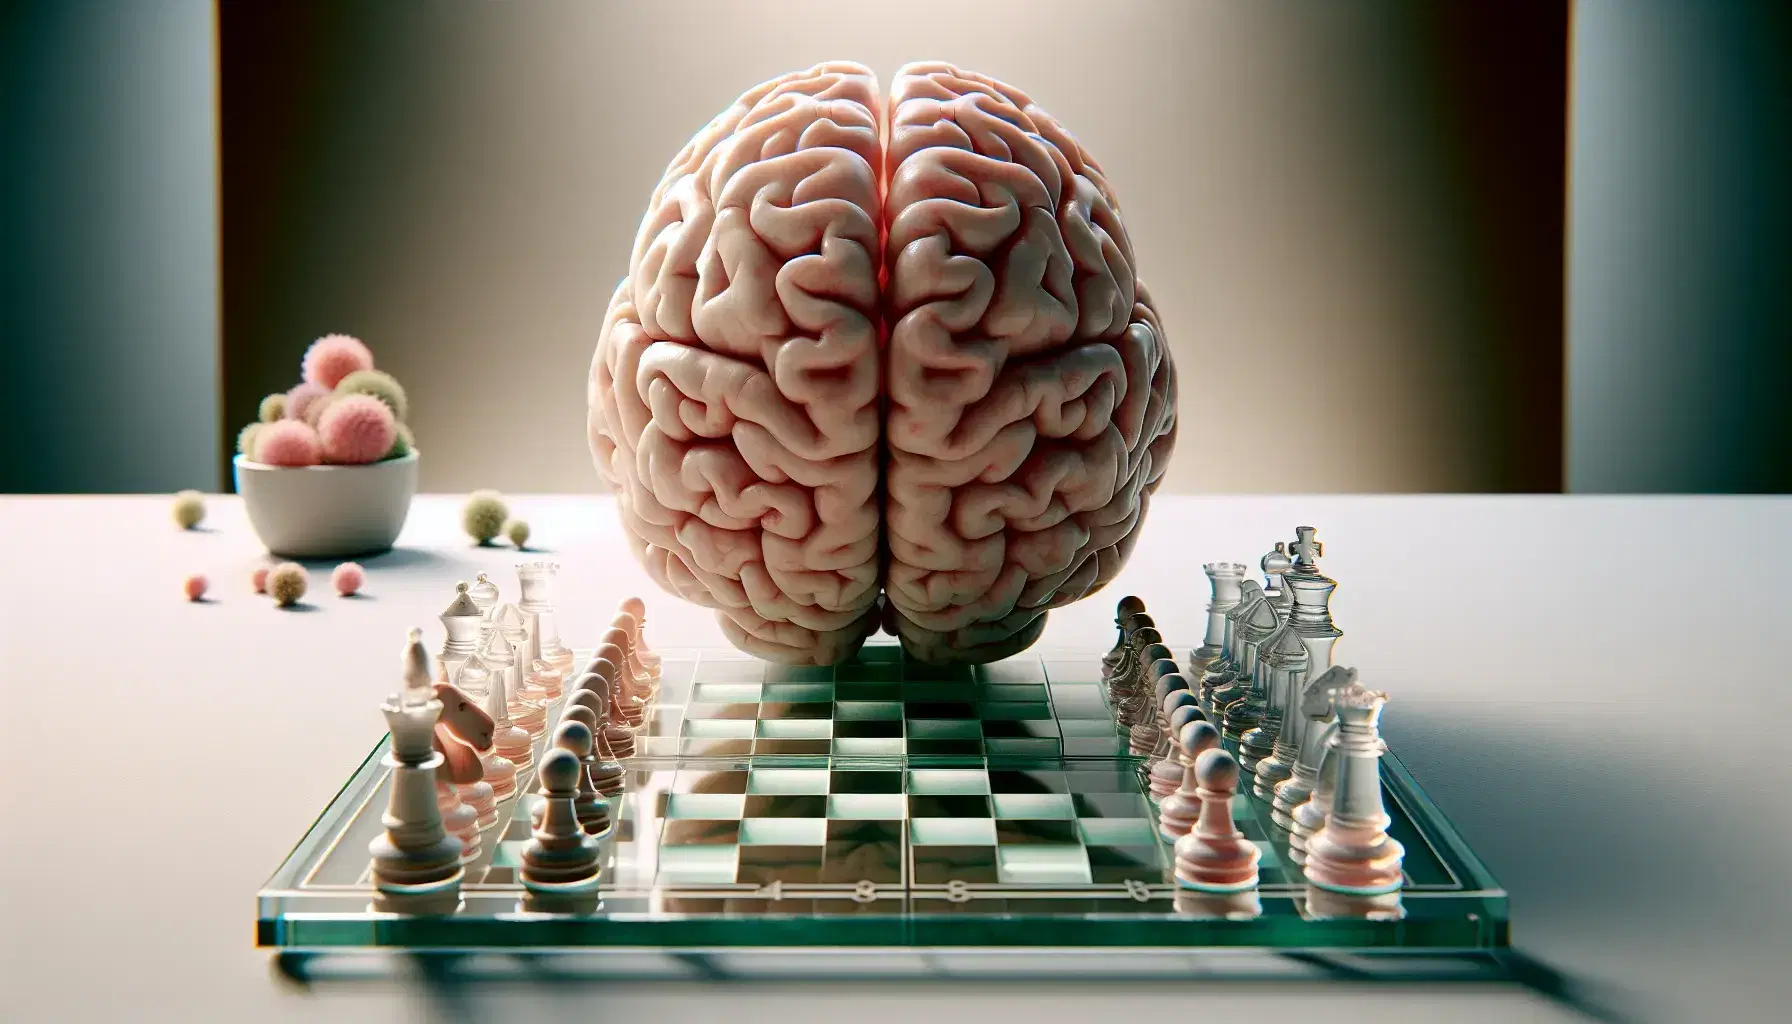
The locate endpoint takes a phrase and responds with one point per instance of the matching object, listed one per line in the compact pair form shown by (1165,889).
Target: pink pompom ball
(287,443)
(194,587)
(317,408)
(356,429)
(259,579)
(299,399)
(347,578)
(333,357)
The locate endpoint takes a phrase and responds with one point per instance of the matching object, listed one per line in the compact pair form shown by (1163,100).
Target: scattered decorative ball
(245,440)
(300,399)
(484,515)
(377,383)
(287,443)
(273,407)
(288,582)
(518,532)
(356,430)
(402,443)
(347,578)
(259,579)
(189,509)
(333,357)
(194,587)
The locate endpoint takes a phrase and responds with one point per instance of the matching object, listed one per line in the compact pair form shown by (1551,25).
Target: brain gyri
(882,361)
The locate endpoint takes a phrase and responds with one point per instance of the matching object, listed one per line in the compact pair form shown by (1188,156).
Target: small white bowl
(327,511)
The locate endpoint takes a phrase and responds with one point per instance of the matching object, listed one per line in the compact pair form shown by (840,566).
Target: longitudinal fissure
(882,361)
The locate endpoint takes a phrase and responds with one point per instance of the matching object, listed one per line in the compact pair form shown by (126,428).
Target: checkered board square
(887,778)
(888,831)
(882,705)
(902,827)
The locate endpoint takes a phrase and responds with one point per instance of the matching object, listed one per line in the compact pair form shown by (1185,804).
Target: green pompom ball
(518,532)
(380,385)
(273,407)
(484,515)
(402,443)
(245,441)
(287,583)
(189,509)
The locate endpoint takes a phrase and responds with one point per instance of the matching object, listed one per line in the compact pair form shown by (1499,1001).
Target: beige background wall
(1351,216)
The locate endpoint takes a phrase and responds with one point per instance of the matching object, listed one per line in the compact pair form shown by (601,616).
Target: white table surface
(1594,690)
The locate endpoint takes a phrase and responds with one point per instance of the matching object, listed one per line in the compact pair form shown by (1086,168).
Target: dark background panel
(108,246)
(1681,238)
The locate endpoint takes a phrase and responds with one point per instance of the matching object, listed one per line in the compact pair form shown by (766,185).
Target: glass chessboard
(884,804)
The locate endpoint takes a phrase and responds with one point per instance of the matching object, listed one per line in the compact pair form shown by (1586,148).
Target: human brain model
(882,362)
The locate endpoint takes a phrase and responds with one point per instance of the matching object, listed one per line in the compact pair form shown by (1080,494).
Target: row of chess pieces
(500,672)
(1261,698)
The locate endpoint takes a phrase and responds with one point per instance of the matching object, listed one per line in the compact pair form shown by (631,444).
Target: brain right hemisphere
(882,362)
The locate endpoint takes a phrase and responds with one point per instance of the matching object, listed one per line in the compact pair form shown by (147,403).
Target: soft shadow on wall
(1352,217)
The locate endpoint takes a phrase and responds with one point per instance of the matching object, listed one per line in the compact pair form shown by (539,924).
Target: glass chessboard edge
(325,831)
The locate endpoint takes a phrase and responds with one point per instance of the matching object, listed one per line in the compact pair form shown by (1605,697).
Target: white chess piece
(1243,714)
(1215,856)
(1314,710)
(1223,579)
(1115,680)
(621,633)
(508,622)
(601,680)
(628,693)
(1180,717)
(1166,774)
(1353,853)
(535,580)
(509,741)
(607,773)
(592,809)
(459,818)
(1225,680)
(416,863)
(560,867)
(529,715)
(482,797)
(497,771)
(485,596)
(544,678)
(1309,816)
(649,660)
(1177,814)
(461,621)
(495,650)
(1284,664)
(528,660)
(1275,566)
(1161,676)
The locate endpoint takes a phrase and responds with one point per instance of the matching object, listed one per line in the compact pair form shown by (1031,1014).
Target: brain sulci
(882,361)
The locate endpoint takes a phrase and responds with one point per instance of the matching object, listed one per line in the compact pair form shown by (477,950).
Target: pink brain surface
(882,361)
